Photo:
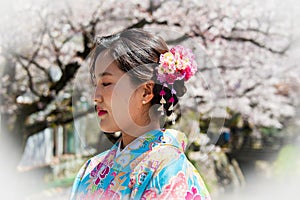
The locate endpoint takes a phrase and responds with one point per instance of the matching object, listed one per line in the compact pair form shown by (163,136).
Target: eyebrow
(104,74)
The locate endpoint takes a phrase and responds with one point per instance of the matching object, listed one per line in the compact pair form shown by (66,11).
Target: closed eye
(106,84)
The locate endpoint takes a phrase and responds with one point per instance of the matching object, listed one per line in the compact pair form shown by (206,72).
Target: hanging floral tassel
(162,102)
(173,117)
(171,108)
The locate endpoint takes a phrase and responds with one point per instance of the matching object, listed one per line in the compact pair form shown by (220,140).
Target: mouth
(102,112)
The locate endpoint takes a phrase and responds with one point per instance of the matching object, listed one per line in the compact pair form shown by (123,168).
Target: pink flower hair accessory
(177,64)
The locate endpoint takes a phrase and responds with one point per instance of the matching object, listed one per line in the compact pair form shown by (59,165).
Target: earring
(143,102)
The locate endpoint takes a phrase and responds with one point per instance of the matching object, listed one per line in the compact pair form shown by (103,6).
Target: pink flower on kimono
(90,195)
(193,194)
(103,168)
(99,172)
(111,195)
(176,189)
(150,194)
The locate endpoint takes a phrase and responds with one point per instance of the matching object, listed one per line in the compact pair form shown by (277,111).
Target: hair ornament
(176,64)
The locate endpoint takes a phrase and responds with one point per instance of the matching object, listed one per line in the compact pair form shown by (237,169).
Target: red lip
(102,112)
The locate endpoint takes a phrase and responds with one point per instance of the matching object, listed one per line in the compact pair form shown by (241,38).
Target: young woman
(137,81)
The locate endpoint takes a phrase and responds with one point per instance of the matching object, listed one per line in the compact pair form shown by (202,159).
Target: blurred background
(241,114)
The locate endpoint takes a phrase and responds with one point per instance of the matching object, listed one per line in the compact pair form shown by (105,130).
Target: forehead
(105,63)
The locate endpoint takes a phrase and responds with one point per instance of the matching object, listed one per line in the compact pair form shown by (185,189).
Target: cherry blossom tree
(243,58)
(246,77)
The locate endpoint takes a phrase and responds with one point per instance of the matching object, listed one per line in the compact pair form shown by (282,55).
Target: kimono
(153,166)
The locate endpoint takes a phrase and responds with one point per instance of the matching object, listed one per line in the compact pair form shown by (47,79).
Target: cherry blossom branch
(37,66)
(31,86)
(241,39)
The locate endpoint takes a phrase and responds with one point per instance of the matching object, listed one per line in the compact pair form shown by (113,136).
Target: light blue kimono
(153,166)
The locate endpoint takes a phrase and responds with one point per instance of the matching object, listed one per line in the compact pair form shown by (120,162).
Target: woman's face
(119,102)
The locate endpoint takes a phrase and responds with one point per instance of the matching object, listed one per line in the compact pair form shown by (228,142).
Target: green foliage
(270,131)
(235,119)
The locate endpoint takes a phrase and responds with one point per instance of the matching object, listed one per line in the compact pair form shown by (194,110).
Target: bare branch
(55,48)
(241,39)
(68,73)
(178,40)
(247,90)
(250,30)
(196,32)
(139,24)
(31,86)
(37,65)
(153,6)
(222,67)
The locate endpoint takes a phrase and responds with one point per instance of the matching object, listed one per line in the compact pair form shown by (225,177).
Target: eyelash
(106,84)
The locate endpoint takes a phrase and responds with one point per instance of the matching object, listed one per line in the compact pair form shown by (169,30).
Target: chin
(108,128)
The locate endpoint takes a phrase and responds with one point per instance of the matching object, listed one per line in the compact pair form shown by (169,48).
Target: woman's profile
(138,80)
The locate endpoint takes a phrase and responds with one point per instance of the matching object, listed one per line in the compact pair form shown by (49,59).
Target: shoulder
(177,179)
(169,147)
(175,138)
(166,147)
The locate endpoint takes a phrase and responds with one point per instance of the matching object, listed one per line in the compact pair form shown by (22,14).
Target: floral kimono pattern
(153,166)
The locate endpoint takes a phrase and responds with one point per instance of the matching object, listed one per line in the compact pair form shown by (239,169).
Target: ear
(148,91)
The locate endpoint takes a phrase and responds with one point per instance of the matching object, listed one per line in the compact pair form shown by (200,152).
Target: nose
(97,96)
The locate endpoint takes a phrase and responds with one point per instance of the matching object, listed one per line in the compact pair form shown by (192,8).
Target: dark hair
(137,52)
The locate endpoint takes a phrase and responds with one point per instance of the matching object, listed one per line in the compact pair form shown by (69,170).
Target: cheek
(125,103)
(122,94)
(107,94)
(135,105)
(118,100)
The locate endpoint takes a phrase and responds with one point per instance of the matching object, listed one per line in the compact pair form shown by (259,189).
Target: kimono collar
(147,142)
(163,137)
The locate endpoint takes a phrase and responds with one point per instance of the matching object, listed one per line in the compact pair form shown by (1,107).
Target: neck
(128,138)
(130,133)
